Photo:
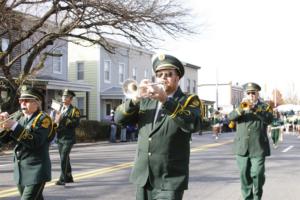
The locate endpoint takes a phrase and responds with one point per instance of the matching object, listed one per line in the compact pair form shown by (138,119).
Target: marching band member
(67,120)
(32,166)
(166,118)
(251,144)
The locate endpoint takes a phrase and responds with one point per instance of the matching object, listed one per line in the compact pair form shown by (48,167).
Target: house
(52,78)
(106,72)
(225,96)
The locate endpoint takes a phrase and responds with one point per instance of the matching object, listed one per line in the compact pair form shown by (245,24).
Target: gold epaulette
(180,108)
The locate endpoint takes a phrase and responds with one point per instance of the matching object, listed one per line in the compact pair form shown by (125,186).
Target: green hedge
(206,123)
(92,130)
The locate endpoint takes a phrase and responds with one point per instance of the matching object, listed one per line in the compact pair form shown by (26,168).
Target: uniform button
(150,139)
(18,161)
(249,129)
(149,153)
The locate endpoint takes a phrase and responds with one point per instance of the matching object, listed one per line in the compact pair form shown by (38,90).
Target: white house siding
(90,57)
(192,75)
(140,60)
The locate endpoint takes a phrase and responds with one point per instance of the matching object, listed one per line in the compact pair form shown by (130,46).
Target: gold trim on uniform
(21,134)
(239,113)
(27,135)
(181,110)
(176,110)
(166,65)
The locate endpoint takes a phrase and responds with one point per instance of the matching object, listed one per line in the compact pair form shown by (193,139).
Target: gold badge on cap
(24,88)
(250,84)
(161,57)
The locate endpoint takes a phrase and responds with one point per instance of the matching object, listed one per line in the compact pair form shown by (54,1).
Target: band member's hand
(4,115)
(157,92)
(8,124)
(143,88)
(57,117)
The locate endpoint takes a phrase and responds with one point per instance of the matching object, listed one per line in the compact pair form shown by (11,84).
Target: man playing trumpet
(166,117)
(251,144)
(67,119)
(32,166)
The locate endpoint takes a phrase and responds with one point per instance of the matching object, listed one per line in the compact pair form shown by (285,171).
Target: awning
(54,84)
(112,93)
(61,84)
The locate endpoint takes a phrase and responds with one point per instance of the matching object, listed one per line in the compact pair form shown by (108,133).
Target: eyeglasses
(253,93)
(165,74)
(25,101)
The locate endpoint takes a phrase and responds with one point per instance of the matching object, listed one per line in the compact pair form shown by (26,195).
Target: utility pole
(217,89)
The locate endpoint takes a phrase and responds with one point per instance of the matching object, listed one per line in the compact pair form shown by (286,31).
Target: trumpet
(18,113)
(245,105)
(131,89)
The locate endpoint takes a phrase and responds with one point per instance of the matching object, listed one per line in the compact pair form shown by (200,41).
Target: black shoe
(60,183)
(70,180)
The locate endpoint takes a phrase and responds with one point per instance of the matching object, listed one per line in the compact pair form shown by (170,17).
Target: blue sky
(257,40)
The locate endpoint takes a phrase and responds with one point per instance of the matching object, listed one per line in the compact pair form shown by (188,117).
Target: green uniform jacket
(31,154)
(66,128)
(163,147)
(251,131)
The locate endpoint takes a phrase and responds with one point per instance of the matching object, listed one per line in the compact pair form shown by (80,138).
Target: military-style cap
(28,92)
(68,93)
(164,61)
(251,87)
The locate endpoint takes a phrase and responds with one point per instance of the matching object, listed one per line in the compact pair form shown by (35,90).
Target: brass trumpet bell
(130,88)
(246,104)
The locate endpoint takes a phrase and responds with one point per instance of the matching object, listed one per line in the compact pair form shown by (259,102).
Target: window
(107,66)
(194,87)
(134,73)
(57,61)
(146,72)
(188,85)
(80,104)
(121,72)
(80,70)
(153,79)
(108,108)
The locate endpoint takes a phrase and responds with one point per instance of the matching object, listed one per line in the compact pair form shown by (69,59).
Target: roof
(191,65)
(57,84)
(112,93)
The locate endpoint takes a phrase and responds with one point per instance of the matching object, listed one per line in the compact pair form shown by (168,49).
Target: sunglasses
(25,101)
(165,74)
(253,93)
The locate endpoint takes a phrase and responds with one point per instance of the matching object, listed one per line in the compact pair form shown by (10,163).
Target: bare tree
(41,23)
(277,97)
(292,97)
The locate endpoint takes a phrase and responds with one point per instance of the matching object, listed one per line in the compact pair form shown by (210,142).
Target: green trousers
(252,176)
(31,192)
(149,193)
(275,136)
(65,165)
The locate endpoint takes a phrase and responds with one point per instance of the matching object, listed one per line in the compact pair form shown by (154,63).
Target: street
(101,171)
